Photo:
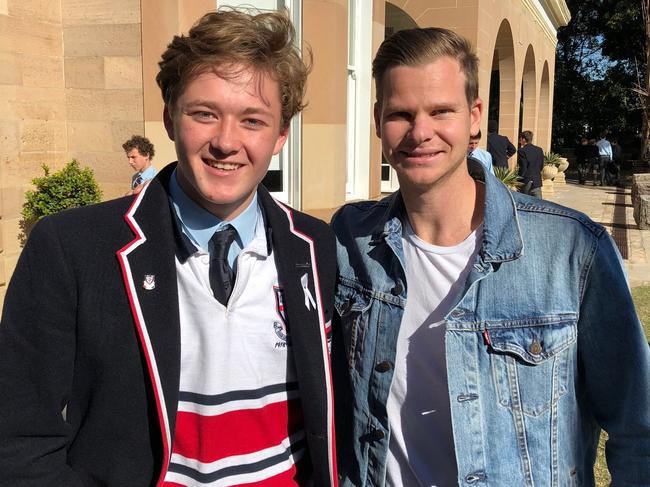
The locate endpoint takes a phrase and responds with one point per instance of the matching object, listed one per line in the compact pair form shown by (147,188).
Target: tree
(602,71)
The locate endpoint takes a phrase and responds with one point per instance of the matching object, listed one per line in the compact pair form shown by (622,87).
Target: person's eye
(202,115)
(254,123)
(441,112)
(397,115)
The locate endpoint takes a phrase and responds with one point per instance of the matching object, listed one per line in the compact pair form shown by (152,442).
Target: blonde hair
(414,47)
(220,40)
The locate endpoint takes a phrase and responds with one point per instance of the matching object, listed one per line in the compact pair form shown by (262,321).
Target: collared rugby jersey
(239,419)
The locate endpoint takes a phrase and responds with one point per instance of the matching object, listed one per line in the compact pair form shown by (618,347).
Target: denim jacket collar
(502,240)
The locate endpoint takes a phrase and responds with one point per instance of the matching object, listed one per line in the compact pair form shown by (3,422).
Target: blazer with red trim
(82,339)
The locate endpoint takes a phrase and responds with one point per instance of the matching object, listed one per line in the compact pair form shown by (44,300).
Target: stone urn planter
(549,171)
(562,166)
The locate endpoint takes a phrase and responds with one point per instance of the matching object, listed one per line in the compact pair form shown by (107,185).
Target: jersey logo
(280,326)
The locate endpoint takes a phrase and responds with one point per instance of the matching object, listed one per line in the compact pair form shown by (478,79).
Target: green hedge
(70,187)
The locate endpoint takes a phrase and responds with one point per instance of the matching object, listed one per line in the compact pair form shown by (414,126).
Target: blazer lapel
(149,274)
(298,275)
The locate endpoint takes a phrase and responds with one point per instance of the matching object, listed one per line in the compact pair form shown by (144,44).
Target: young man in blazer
(180,336)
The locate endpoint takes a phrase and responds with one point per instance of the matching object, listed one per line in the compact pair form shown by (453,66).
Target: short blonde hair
(219,40)
(414,47)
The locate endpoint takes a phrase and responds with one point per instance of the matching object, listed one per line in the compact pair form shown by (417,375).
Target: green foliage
(601,57)
(552,159)
(67,188)
(508,177)
(641,296)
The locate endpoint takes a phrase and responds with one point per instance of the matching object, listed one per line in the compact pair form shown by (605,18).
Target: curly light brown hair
(144,146)
(221,40)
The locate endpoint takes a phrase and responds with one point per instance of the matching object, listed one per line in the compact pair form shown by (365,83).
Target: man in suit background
(181,336)
(530,160)
(499,146)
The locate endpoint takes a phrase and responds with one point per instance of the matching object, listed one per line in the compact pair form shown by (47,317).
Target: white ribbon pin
(309,299)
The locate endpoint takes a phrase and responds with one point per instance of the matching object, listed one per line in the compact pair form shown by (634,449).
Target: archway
(501,105)
(544,112)
(528,96)
(397,19)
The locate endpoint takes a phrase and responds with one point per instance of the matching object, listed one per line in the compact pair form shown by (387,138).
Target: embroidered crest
(281,331)
(149,282)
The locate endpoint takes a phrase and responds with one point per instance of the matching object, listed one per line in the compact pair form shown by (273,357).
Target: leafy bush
(68,188)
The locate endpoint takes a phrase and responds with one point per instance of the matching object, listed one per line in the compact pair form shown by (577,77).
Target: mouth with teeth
(419,156)
(224,166)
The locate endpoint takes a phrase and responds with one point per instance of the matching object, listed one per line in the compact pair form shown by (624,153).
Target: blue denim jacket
(543,347)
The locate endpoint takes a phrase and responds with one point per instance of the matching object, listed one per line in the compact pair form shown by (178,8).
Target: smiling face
(424,122)
(137,161)
(225,132)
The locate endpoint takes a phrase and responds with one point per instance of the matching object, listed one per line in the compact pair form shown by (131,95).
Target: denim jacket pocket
(530,364)
(353,307)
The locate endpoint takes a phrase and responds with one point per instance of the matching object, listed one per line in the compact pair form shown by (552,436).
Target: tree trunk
(645,100)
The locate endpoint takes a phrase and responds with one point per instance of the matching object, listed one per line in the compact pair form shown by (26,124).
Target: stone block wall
(70,87)
(641,200)
(32,110)
(103,85)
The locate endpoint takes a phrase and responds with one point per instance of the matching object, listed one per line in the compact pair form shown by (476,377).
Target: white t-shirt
(421,447)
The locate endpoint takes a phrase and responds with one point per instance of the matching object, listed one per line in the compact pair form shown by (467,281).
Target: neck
(446,214)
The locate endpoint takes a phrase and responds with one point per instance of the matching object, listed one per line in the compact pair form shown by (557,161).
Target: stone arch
(501,104)
(528,96)
(397,19)
(544,112)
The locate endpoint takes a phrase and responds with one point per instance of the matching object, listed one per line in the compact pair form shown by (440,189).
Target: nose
(421,129)
(226,140)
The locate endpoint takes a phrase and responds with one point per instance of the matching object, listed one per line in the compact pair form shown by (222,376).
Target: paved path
(611,207)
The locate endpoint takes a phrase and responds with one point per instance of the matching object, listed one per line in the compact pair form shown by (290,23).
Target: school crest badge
(149,282)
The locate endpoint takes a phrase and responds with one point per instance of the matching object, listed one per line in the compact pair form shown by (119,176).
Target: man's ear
(377,114)
(169,123)
(475,114)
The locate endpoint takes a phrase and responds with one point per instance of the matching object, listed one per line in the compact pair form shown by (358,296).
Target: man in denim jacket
(489,335)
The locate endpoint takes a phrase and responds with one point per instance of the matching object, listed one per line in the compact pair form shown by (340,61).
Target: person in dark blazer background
(499,146)
(530,159)
(141,347)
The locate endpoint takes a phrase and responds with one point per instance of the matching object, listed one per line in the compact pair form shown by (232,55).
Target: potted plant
(508,177)
(551,162)
(563,165)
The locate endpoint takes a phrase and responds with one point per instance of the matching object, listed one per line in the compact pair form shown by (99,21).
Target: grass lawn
(641,297)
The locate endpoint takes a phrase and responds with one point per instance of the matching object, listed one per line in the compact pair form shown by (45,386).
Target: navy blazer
(81,334)
(530,159)
(500,148)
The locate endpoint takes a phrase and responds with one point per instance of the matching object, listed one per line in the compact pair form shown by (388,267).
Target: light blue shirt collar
(199,224)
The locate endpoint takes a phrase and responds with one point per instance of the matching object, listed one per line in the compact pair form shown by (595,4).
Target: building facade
(78,80)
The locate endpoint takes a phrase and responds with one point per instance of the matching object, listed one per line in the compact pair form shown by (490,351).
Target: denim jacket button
(397,290)
(475,477)
(382,367)
(457,313)
(535,348)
